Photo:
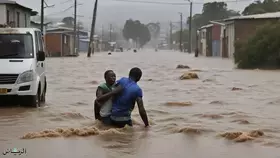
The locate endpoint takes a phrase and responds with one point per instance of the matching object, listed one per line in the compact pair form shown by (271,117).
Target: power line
(65,2)
(168,3)
(65,10)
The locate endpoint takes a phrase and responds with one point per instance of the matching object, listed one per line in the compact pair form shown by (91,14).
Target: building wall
(215,48)
(203,42)
(216,32)
(221,39)
(230,38)
(24,16)
(53,44)
(246,28)
(3,14)
(83,46)
(209,41)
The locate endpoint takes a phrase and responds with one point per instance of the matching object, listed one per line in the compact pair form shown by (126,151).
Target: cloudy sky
(116,12)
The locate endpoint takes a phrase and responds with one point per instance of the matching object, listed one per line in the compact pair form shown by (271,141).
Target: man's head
(135,74)
(110,77)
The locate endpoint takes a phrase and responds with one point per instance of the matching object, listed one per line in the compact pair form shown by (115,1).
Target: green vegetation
(259,7)
(261,50)
(136,31)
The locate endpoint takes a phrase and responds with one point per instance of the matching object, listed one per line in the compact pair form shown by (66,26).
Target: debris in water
(241,121)
(242,136)
(190,130)
(189,75)
(212,116)
(196,70)
(217,102)
(73,115)
(178,103)
(182,67)
(236,89)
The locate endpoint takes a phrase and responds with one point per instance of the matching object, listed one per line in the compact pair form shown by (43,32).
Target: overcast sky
(110,11)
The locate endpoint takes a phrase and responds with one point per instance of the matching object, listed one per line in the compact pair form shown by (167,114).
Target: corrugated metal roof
(63,28)
(256,16)
(206,26)
(13,2)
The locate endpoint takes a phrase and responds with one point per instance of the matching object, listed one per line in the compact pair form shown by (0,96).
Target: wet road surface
(177,129)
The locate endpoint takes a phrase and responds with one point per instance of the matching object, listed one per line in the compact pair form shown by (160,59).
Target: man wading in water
(126,93)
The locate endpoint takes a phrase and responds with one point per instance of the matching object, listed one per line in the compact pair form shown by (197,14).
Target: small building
(14,14)
(60,41)
(84,43)
(241,28)
(205,40)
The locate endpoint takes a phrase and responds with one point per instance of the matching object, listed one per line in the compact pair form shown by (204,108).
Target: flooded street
(177,130)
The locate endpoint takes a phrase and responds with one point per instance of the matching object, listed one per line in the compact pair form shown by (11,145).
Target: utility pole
(75,27)
(102,35)
(181,31)
(170,38)
(78,39)
(190,29)
(42,16)
(92,31)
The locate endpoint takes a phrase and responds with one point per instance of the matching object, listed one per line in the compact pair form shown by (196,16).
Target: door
(40,69)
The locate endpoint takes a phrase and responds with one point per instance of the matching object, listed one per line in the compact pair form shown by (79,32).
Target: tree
(185,37)
(261,50)
(136,31)
(259,7)
(68,21)
(154,29)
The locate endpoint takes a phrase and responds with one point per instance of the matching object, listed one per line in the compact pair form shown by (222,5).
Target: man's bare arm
(107,96)
(142,111)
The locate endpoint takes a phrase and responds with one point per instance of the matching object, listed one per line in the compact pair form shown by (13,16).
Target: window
(25,20)
(39,44)
(65,39)
(36,43)
(18,19)
(8,17)
(40,41)
(16,46)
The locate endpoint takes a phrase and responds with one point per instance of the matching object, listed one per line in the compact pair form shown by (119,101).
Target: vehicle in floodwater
(22,66)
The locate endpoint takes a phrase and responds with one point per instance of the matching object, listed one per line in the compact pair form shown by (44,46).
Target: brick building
(242,27)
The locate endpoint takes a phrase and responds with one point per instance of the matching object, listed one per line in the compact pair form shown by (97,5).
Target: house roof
(217,22)
(14,3)
(38,23)
(205,26)
(33,13)
(63,28)
(273,15)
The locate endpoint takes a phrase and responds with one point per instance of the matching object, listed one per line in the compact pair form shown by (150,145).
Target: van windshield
(16,46)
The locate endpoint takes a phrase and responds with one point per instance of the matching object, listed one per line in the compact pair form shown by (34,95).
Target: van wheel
(43,96)
(33,101)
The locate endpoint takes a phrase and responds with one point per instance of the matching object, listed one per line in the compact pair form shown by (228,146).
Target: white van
(22,65)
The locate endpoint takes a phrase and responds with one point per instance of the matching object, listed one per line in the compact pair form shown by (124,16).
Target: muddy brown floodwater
(226,113)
